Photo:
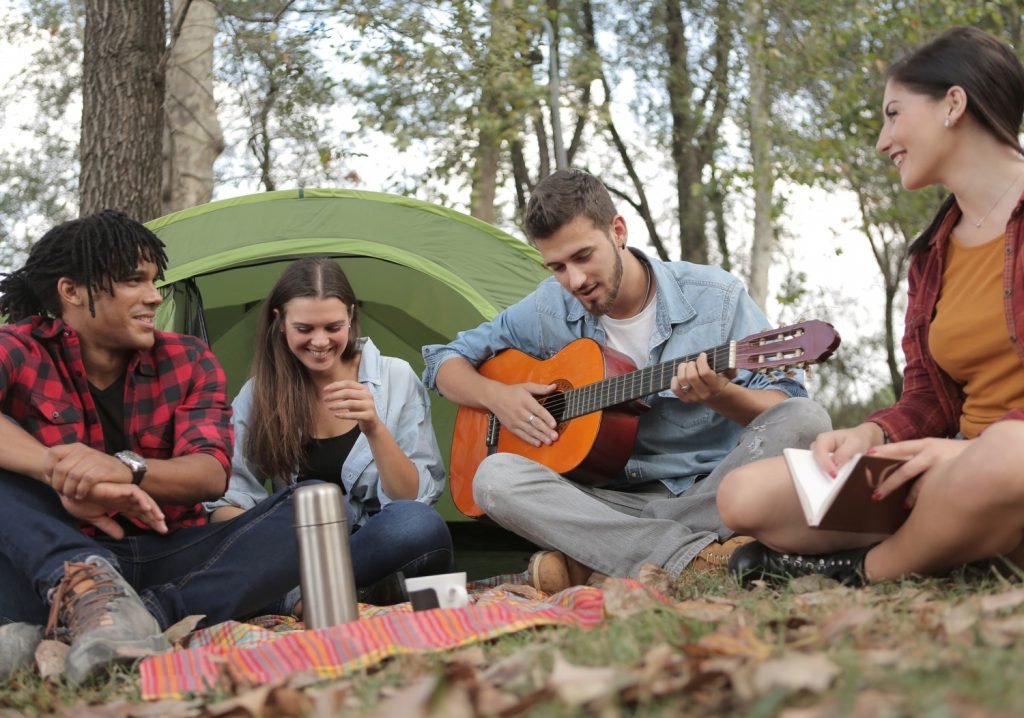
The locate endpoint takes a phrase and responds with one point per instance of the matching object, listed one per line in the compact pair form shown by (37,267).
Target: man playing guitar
(661,507)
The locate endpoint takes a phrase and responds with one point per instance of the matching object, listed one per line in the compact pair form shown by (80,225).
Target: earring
(946,123)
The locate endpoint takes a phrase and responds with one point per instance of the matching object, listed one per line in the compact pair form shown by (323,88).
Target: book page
(815,487)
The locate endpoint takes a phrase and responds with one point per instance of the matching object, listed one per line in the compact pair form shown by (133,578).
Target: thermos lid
(318,504)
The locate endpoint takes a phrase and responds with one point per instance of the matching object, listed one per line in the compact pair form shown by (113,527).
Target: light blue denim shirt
(699,307)
(403,404)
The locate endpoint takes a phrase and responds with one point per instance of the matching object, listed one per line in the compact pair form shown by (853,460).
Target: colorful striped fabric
(232,654)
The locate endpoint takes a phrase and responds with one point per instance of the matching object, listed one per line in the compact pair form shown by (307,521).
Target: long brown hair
(284,396)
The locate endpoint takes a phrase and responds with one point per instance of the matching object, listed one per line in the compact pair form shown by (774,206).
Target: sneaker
(18,643)
(553,571)
(714,558)
(105,619)
(756,561)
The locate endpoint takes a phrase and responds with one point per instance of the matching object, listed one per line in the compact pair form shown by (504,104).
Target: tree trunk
(192,135)
(122,107)
(490,116)
(760,153)
(689,200)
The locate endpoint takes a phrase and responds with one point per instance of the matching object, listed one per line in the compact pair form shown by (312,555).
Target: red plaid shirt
(175,398)
(932,402)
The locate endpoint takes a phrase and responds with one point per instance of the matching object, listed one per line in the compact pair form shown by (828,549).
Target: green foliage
(38,179)
(453,77)
(271,62)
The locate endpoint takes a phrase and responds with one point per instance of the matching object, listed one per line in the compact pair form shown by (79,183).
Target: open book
(844,503)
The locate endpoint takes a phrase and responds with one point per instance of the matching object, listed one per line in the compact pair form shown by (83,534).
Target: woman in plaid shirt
(952,114)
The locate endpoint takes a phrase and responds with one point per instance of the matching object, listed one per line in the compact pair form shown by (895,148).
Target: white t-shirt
(632,336)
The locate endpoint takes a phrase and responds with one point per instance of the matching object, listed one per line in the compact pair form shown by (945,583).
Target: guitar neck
(636,384)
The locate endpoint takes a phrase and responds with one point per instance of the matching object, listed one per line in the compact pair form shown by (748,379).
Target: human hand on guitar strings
(696,381)
(518,410)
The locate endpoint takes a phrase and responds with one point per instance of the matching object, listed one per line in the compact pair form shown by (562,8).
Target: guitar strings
(600,390)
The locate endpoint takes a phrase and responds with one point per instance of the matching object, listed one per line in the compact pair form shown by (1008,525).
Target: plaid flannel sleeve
(203,416)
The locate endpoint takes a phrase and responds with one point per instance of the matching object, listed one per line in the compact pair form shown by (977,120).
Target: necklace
(647,292)
(981,221)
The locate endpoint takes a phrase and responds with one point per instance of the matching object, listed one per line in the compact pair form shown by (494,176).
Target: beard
(602,306)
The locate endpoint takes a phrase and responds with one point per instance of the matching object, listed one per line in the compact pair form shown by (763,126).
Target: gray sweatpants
(616,531)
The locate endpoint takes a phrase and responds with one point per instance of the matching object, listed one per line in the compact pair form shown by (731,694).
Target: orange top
(969,338)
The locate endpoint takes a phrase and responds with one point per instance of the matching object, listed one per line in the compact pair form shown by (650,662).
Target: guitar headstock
(787,348)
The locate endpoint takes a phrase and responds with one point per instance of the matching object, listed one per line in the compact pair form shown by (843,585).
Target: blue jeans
(228,570)
(406,536)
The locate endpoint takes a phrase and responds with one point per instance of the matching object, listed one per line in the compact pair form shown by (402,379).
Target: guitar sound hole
(555,403)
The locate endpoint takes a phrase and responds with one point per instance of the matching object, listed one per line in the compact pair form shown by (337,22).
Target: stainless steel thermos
(325,561)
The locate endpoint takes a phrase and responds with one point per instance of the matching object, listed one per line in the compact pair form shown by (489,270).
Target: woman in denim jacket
(324,404)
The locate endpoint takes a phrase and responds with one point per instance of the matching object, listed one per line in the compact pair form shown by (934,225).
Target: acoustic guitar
(597,401)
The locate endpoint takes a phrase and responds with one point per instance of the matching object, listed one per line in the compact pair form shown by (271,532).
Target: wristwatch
(134,462)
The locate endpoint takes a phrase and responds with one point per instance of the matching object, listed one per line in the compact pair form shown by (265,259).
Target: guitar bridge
(491,441)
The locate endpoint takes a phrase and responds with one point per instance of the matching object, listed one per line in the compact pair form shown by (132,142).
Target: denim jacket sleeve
(406,414)
(519,326)
(245,490)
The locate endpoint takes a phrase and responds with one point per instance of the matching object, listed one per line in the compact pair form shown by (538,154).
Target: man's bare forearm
(460,382)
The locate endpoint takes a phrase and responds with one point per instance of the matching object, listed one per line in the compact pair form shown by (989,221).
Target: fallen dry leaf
(329,700)
(251,702)
(50,657)
(473,656)
(411,701)
(704,610)
(166,709)
(836,595)
(577,685)
(1002,601)
(622,599)
(654,576)
(114,709)
(812,672)
(181,630)
(1002,632)
(846,621)
(514,669)
(739,641)
(958,621)
(811,584)
(449,701)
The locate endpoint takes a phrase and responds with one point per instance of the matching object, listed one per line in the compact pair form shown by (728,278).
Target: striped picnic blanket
(234,654)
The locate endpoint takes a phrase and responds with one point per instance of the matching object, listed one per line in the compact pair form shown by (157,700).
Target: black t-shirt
(110,407)
(324,457)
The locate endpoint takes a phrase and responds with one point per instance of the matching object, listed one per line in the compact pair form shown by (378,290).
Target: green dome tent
(421,272)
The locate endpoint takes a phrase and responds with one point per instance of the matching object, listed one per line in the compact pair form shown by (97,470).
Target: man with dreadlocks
(117,432)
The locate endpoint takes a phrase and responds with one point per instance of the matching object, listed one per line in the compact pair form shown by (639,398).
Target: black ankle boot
(756,561)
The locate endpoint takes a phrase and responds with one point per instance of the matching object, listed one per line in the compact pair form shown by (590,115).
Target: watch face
(132,460)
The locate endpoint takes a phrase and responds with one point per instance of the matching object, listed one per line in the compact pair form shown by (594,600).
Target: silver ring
(686,389)
(530,418)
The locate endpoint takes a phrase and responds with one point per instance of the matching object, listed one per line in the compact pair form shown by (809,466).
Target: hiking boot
(104,617)
(714,558)
(553,571)
(756,561)
(18,643)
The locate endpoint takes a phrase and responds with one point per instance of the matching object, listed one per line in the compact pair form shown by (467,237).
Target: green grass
(899,660)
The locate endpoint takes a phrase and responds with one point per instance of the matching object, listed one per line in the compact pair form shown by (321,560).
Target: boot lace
(81,599)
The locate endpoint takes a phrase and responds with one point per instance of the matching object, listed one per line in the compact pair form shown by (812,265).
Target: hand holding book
(918,457)
(849,501)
